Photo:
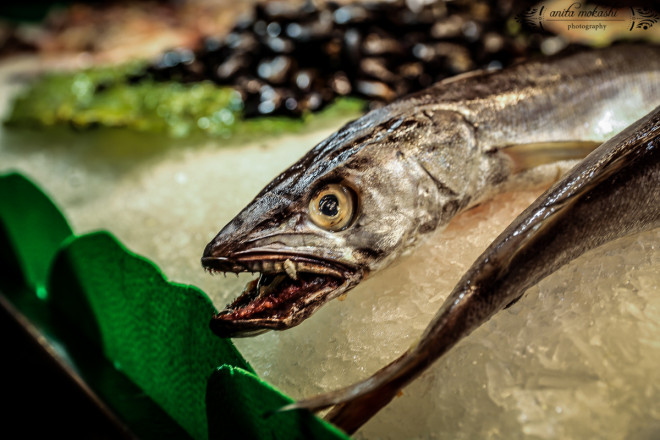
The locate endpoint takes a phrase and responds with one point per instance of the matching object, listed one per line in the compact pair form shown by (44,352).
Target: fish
(372,191)
(614,192)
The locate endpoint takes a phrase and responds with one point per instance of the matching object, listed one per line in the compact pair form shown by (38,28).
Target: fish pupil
(329,205)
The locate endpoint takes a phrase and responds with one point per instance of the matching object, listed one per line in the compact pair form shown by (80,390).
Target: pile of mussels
(288,59)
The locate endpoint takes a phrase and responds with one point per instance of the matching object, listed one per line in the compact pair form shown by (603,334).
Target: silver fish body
(408,168)
(613,193)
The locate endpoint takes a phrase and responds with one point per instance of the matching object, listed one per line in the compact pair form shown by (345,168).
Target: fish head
(343,211)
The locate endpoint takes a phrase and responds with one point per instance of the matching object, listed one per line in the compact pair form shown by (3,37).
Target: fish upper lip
(271,262)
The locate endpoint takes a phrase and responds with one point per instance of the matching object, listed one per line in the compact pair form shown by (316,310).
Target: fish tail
(357,403)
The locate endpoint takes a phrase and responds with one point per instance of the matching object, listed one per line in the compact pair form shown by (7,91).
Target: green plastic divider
(240,406)
(153,331)
(31,231)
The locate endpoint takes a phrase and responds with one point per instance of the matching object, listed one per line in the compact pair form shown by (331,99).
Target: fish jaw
(289,289)
(300,266)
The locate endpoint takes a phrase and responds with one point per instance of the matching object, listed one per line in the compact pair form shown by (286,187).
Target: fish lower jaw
(275,302)
(289,289)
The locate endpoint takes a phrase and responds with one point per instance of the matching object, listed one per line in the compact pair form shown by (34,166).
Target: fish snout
(222,264)
(218,255)
(228,250)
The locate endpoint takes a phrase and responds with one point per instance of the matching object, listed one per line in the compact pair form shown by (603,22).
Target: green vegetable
(108,97)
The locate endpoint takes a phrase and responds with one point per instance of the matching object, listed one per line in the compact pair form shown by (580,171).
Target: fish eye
(332,207)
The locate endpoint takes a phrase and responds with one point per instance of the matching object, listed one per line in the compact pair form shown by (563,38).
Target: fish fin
(354,404)
(532,155)
(348,414)
(317,403)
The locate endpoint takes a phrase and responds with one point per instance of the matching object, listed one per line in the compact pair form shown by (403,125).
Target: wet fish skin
(613,193)
(419,161)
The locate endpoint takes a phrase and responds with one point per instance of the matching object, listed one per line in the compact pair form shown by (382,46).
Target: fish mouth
(289,288)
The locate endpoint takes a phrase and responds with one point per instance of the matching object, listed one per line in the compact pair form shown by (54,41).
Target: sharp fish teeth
(267,283)
(255,266)
(290,269)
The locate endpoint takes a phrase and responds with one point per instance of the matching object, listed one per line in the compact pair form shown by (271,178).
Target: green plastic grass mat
(154,332)
(240,406)
(31,230)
